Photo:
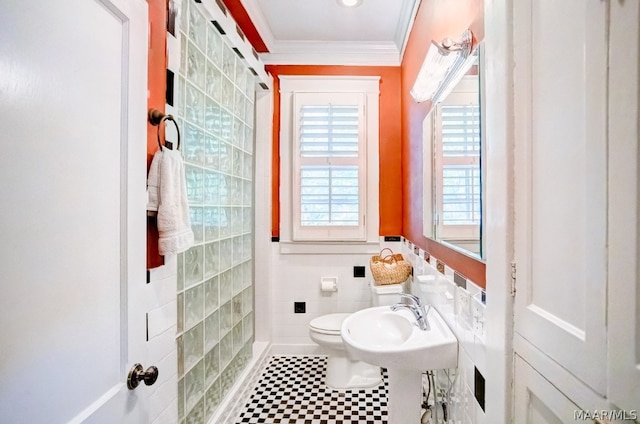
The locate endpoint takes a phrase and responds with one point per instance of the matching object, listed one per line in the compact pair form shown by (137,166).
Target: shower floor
(292,390)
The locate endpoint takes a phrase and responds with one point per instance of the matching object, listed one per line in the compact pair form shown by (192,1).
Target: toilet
(342,371)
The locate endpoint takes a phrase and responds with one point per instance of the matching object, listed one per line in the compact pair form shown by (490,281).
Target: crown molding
(259,21)
(408,19)
(332,53)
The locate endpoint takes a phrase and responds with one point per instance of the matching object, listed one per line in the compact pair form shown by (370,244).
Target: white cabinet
(560,53)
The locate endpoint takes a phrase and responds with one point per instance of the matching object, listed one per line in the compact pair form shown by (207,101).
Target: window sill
(329,248)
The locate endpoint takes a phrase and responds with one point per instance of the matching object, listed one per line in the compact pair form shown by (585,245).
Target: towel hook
(156,118)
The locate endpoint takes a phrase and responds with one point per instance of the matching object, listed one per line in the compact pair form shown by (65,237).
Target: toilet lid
(328,324)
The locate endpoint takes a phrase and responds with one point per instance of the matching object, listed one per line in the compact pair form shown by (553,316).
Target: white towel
(167,194)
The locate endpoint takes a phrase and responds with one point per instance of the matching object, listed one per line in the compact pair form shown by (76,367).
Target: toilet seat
(328,324)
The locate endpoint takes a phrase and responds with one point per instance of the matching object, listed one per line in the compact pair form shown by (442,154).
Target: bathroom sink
(391,339)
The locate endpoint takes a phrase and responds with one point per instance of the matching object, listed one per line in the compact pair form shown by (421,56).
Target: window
(329,163)
(457,166)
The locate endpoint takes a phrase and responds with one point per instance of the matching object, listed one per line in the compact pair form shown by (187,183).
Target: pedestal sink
(392,340)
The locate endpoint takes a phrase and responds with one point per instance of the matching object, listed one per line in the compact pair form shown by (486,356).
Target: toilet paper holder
(329,284)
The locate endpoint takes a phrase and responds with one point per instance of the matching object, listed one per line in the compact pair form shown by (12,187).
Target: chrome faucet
(414,304)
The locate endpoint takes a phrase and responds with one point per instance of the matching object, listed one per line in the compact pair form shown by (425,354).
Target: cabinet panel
(537,401)
(560,51)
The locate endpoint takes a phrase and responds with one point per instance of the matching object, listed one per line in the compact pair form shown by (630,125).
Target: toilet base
(344,373)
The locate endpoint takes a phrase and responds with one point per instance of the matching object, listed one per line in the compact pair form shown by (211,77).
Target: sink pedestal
(404,396)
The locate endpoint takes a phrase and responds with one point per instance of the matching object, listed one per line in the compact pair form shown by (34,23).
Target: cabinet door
(537,401)
(560,53)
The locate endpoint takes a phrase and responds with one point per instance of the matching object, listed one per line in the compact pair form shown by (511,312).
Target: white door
(560,54)
(72,209)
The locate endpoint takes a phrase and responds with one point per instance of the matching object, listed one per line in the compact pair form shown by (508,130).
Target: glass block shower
(214,106)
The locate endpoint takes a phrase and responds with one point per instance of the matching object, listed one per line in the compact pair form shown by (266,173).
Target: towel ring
(156,118)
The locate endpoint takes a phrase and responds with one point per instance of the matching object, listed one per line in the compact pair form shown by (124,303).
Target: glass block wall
(214,106)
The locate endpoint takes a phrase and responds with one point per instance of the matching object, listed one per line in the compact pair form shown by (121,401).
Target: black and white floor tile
(291,390)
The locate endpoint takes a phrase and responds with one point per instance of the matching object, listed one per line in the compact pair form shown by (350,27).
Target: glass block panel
(184,18)
(247,220)
(227,377)
(226,158)
(213,82)
(248,113)
(225,222)
(180,322)
(235,197)
(238,340)
(214,46)
(211,295)
(193,346)
(241,79)
(212,365)
(211,259)
(226,286)
(181,409)
(180,354)
(227,94)
(228,62)
(226,125)
(236,220)
(194,385)
(247,301)
(248,140)
(247,244)
(226,322)
(196,415)
(180,271)
(197,223)
(192,144)
(247,166)
(225,189)
(212,116)
(238,103)
(236,304)
(211,223)
(212,399)
(211,331)
(211,152)
(247,193)
(238,133)
(197,27)
(237,272)
(193,265)
(226,254)
(194,306)
(211,187)
(178,98)
(247,327)
(194,105)
(236,162)
(237,257)
(226,348)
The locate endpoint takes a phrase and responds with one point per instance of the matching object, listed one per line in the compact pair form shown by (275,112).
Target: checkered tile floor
(291,390)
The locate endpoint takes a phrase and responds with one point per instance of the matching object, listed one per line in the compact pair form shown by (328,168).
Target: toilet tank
(386,294)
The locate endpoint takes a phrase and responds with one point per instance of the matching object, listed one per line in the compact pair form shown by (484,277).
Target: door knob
(138,374)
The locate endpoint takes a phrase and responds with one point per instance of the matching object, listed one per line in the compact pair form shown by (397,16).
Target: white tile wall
(161,295)
(296,278)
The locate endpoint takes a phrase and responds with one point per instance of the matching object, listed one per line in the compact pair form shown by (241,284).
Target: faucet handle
(412,298)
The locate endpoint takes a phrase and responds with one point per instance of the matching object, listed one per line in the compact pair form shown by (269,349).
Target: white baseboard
(296,349)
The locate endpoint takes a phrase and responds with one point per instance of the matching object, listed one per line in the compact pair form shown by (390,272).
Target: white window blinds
(329,165)
(460,164)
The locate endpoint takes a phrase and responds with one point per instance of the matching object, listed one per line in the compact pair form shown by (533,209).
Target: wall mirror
(453,172)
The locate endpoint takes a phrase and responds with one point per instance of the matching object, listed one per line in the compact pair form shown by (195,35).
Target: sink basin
(391,339)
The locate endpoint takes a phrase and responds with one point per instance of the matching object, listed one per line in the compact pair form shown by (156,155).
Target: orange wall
(390,139)
(435,20)
(157,75)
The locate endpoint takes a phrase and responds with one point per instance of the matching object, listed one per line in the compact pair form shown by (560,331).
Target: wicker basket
(390,268)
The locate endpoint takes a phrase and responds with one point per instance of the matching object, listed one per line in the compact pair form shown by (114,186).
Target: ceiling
(323,32)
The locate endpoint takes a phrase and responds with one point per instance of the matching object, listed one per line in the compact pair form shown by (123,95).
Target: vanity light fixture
(445,64)
(350,3)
